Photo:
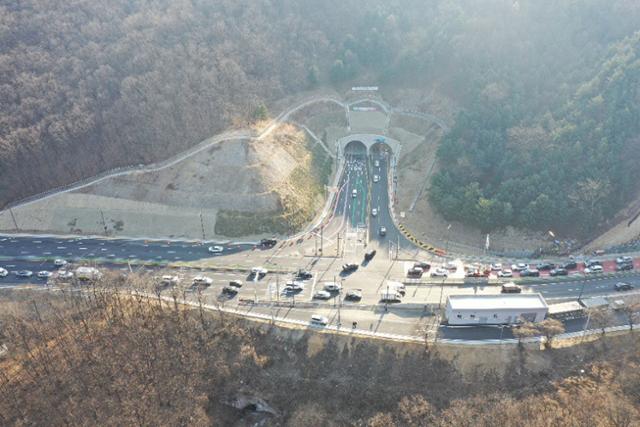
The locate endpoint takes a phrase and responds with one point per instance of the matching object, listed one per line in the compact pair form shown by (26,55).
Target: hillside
(110,359)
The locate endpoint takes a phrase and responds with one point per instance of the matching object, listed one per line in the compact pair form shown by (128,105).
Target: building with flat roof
(497,309)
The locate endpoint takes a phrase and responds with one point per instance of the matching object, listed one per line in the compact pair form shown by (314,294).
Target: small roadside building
(501,309)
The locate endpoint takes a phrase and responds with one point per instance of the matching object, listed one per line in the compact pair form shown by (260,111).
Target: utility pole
(278,288)
(14,219)
(202,226)
(104,224)
(338,247)
(321,239)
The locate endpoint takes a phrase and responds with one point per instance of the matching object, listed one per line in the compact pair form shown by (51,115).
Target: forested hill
(87,85)
(568,168)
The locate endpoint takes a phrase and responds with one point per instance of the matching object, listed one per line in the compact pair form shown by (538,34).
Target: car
(505,273)
(24,273)
(496,266)
(591,263)
(425,266)
(303,275)
(332,287)
(235,283)
(473,273)
(624,259)
(353,295)
(202,281)
(621,286)
(382,231)
(519,266)
(368,256)
(397,287)
(545,266)
(319,320)
(624,266)
(230,290)
(594,269)
(569,265)
(451,266)
(293,286)
(510,288)
(559,271)
(390,297)
(268,243)
(259,271)
(322,295)
(65,275)
(376,178)
(530,272)
(169,280)
(59,262)
(415,272)
(376,163)
(354,193)
(3,272)
(216,249)
(374,212)
(439,272)
(44,274)
(350,267)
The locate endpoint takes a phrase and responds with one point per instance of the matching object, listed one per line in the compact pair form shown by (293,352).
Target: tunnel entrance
(356,148)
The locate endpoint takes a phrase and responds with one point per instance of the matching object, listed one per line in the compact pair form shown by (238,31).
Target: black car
(623,286)
(229,290)
(544,266)
(592,262)
(624,266)
(530,272)
(268,243)
(571,265)
(368,256)
(415,272)
(303,275)
(349,268)
(423,265)
(559,272)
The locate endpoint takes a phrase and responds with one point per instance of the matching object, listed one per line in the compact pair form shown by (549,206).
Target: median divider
(413,239)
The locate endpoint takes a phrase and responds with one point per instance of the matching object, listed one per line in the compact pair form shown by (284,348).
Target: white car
(202,280)
(259,271)
(496,266)
(3,272)
(332,287)
(519,267)
(216,249)
(44,274)
(293,286)
(322,295)
(594,269)
(65,275)
(24,273)
(376,163)
(374,212)
(505,273)
(59,262)
(376,178)
(319,320)
(354,193)
(170,280)
(439,272)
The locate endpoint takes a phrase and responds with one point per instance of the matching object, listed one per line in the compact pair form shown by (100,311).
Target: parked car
(319,320)
(322,295)
(624,260)
(64,275)
(624,266)
(259,271)
(569,265)
(439,272)
(353,295)
(511,288)
(592,262)
(423,265)
(530,272)
(559,272)
(169,280)
(415,272)
(350,267)
(230,290)
(216,249)
(505,273)
(235,283)
(303,275)
(293,286)
(268,243)
(451,266)
(496,266)
(519,266)
(3,272)
(390,297)
(545,266)
(332,287)
(594,269)
(621,286)
(368,256)
(203,281)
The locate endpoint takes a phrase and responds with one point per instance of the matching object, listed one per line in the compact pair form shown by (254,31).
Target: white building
(495,309)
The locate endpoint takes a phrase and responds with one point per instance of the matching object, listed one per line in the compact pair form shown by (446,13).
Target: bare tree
(550,328)
(631,311)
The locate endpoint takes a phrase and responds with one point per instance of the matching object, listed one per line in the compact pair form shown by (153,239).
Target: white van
(319,320)
(354,193)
